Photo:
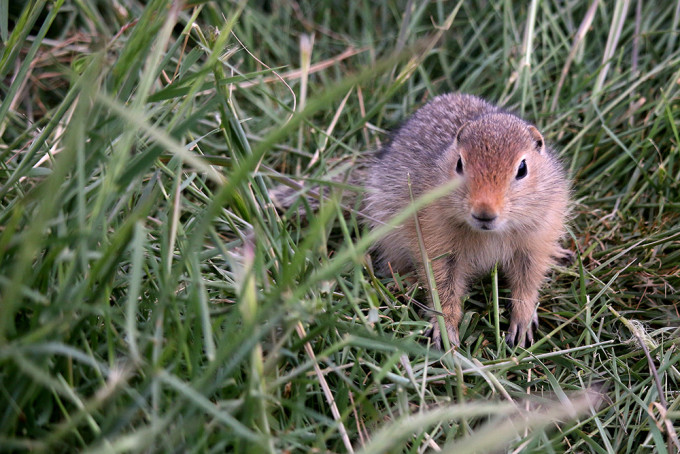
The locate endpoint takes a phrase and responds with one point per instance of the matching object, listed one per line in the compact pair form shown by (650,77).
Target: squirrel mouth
(484,224)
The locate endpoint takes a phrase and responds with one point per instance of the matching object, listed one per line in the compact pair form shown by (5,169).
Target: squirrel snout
(484,217)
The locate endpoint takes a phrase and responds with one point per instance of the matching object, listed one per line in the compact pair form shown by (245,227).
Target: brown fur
(490,217)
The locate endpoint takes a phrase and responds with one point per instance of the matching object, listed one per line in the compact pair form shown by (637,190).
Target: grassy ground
(153,300)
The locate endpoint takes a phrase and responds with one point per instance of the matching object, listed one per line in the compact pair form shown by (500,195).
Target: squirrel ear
(539,143)
(460,130)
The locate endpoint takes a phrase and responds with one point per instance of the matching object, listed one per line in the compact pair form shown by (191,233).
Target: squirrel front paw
(521,332)
(436,335)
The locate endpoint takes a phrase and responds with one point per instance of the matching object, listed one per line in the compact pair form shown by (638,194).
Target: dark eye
(521,170)
(459,166)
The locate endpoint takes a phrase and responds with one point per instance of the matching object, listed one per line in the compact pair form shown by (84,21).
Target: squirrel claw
(522,337)
(436,335)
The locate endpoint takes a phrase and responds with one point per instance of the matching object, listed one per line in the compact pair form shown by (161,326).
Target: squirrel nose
(485,216)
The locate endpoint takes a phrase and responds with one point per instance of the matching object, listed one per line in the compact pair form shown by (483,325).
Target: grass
(153,300)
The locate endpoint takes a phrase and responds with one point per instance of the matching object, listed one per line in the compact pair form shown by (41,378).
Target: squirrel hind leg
(563,257)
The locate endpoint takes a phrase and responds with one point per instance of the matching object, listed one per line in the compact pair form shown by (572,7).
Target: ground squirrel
(509,207)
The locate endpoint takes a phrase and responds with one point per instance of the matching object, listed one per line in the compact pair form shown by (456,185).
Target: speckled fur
(530,212)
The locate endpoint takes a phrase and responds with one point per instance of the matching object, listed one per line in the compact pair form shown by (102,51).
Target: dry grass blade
(326,389)
(578,39)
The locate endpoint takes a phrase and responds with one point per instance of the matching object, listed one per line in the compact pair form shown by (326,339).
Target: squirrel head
(501,162)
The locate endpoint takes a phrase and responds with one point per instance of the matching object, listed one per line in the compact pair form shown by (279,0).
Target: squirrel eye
(459,166)
(521,170)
